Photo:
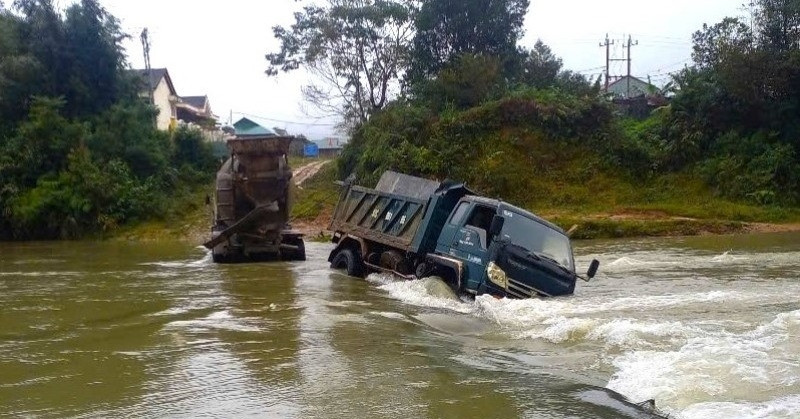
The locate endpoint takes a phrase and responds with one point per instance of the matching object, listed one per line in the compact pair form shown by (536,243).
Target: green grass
(601,204)
(319,194)
(609,228)
(188,218)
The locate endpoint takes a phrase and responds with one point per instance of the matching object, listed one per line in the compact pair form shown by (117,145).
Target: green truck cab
(413,227)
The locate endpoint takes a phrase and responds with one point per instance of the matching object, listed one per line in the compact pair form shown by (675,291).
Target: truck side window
(480,220)
(458,215)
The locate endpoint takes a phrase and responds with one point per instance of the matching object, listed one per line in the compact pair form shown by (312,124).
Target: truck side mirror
(593,269)
(497,225)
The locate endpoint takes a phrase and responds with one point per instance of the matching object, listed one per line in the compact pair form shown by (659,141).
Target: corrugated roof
(248,128)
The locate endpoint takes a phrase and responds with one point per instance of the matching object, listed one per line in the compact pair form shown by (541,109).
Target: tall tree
(98,59)
(446,29)
(779,24)
(356,48)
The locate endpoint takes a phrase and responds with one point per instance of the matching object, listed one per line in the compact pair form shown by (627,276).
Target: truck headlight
(497,275)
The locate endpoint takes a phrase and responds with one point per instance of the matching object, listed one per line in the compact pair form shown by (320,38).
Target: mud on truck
(252,204)
(414,228)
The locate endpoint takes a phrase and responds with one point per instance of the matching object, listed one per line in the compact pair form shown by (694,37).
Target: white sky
(217,48)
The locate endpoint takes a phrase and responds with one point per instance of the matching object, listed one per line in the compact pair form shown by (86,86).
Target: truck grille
(520,290)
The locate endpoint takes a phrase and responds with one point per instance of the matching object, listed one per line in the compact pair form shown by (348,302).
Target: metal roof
(248,128)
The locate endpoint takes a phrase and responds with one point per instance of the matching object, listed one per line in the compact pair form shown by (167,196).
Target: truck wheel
(422,270)
(297,254)
(301,251)
(220,258)
(451,278)
(350,261)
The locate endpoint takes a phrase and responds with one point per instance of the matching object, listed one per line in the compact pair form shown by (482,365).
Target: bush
(756,168)
(503,147)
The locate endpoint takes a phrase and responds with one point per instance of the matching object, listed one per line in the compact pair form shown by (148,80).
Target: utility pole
(146,48)
(630,44)
(608,43)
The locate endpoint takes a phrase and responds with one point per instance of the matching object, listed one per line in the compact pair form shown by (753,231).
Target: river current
(708,327)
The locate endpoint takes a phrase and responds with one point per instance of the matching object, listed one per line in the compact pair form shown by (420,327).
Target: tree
(778,22)
(713,44)
(540,67)
(356,48)
(97,57)
(468,81)
(447,29)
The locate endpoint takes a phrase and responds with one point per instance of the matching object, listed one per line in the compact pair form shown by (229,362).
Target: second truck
(252,203)
(413,227)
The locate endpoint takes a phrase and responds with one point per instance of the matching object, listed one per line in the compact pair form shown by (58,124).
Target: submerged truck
(252,204)
(413,227)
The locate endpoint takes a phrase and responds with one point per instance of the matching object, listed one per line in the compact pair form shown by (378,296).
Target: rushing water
(708,327)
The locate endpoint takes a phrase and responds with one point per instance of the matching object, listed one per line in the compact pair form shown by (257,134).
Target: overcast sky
(217,48)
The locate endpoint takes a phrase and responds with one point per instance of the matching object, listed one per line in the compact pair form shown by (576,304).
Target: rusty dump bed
(252,202)
(403,212)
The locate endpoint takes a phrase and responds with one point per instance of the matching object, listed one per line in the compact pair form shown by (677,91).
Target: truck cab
(506,251)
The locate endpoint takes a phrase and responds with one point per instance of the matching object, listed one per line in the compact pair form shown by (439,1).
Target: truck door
(471,243)
(447,238)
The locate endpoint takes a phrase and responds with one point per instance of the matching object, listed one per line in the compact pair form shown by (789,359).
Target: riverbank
(316,196)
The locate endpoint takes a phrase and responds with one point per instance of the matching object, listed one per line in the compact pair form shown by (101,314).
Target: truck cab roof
(495,203)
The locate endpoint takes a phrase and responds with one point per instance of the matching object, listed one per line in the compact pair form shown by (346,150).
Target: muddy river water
(709,327)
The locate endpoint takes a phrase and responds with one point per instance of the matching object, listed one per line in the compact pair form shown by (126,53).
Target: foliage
(735,114)
(446,29)
(357,48)
(79,152)
(503,143)
(514,123)
(467,82)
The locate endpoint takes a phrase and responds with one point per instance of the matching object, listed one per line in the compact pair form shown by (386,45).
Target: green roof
(247,128)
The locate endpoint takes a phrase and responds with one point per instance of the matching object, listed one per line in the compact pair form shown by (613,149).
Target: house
(165,97)
(247,128)
(629,87)
(298,144)
(172,108)
(196,110)
(331,147)
(635,97)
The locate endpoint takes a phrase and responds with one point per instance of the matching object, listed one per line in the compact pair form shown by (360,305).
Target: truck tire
(349,260)
(451,278)
(298,254)
(301,251)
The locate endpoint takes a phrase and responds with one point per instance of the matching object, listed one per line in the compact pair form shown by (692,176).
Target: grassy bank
(189,219)
(678,206)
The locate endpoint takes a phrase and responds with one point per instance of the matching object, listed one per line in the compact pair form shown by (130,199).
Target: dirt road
(303,173)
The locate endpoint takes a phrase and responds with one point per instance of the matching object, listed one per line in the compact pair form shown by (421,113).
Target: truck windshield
(537,238)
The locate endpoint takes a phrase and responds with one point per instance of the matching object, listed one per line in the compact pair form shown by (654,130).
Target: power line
(307,124)
(662,69)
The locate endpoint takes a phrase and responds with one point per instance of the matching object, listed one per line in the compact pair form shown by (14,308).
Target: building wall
(166,110)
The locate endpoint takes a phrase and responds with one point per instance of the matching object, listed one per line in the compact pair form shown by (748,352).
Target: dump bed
(404,212)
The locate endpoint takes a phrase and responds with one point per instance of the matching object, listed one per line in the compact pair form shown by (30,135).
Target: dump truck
(414,228)
(252,204)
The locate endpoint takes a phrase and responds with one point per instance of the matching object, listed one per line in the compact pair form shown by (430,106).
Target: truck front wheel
(349,260)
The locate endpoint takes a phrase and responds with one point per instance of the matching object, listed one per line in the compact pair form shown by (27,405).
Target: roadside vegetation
(79,152)
(478,107)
